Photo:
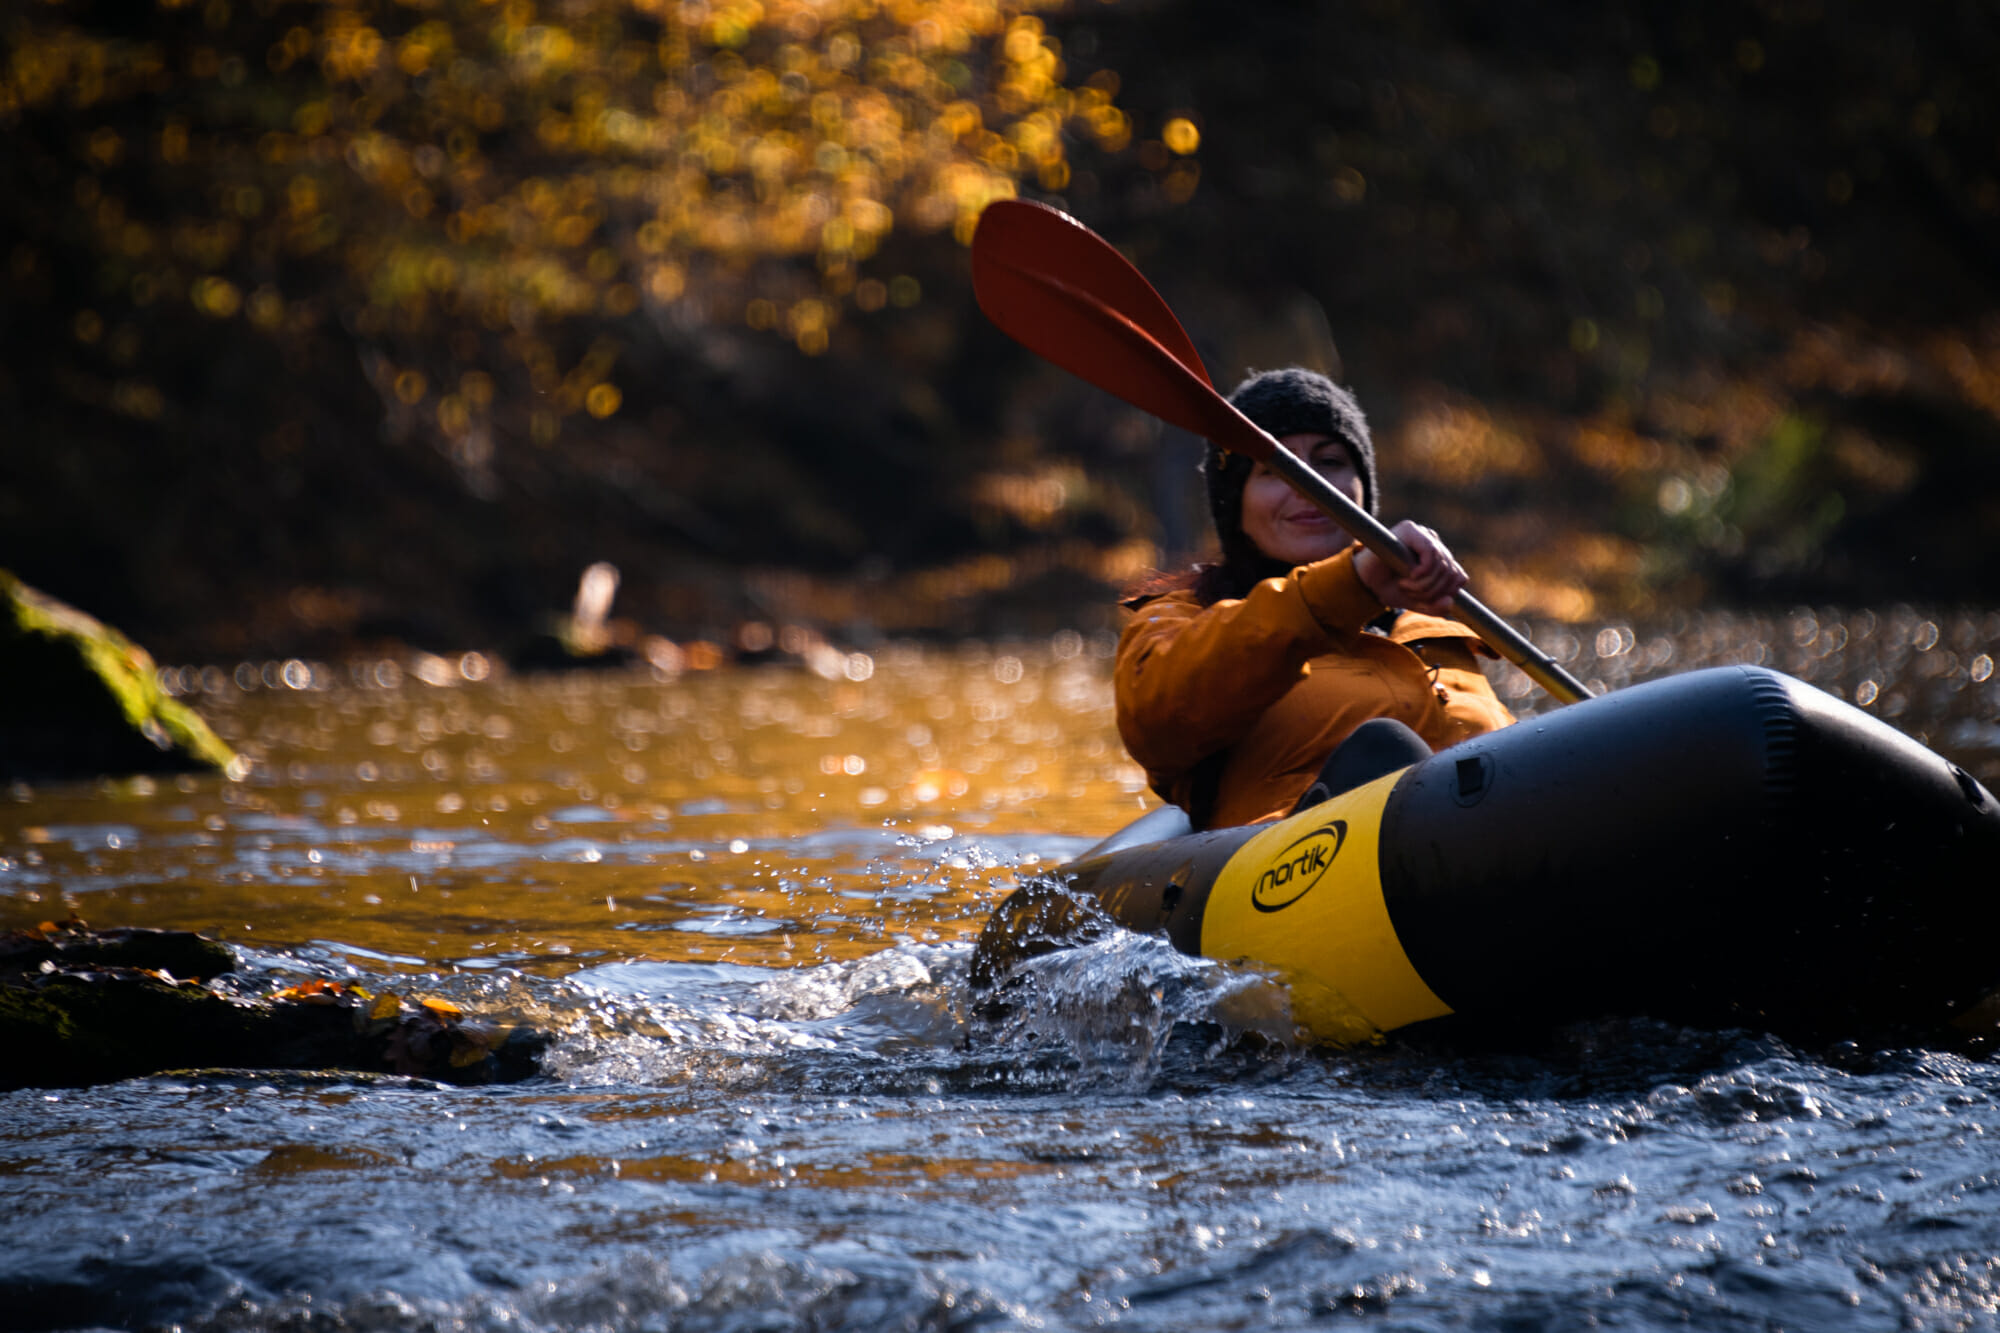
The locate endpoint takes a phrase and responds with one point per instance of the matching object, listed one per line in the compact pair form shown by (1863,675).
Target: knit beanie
(1294,401)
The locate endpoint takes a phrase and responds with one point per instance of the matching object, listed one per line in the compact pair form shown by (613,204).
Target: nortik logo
(1299,868)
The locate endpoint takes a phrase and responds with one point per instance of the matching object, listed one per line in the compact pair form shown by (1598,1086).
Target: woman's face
(1284,524)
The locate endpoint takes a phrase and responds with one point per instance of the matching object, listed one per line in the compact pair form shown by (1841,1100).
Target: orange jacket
(1279,678)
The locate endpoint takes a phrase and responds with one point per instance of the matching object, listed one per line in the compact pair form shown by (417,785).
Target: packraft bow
(1730,846)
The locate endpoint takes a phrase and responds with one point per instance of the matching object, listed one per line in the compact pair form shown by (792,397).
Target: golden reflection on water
(759,815)
(439,813)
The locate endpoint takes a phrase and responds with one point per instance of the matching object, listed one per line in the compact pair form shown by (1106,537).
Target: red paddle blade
(1018,234)
(1082,333)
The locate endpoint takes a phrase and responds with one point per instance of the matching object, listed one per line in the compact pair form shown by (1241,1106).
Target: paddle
(1062,291)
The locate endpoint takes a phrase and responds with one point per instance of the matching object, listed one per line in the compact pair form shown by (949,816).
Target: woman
(1236,680)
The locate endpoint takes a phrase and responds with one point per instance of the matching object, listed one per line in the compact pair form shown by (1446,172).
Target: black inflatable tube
(1725,846)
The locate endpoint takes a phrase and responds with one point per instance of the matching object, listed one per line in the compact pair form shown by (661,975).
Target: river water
(743,900)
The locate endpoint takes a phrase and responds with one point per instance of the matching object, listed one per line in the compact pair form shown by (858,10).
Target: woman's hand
(1430,583)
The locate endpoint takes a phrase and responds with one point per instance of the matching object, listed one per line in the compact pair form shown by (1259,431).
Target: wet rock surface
(81,1006)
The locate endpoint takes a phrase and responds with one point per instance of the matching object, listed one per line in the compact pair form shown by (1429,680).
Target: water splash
(1120,1012)
(1107,1011)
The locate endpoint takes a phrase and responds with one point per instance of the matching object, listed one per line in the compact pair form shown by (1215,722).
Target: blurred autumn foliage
(329,320)
(1654,305)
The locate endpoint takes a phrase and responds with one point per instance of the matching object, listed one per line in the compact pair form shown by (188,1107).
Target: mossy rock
(73,945)
(80,1006)
(72,1031)
(77,698)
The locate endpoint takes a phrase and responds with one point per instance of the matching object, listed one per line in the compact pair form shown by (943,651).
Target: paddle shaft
(1363,526)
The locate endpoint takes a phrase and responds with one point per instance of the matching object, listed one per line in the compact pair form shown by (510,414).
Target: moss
(81,1006)
(78,698)
(76,1031)
(71,1029)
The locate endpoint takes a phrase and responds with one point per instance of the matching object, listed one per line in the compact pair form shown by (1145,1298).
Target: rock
(79,1006)
(179,952)
(1038,918)
(77,698)
(586,637)
(558,649)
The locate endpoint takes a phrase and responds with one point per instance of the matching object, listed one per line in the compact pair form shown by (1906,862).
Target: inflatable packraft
(1730,846)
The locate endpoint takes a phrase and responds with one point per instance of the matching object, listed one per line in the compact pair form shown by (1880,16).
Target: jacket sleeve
(1191,680)
(1471,708)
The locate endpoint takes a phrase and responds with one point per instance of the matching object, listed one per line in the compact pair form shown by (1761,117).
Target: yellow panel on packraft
(1305,896)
